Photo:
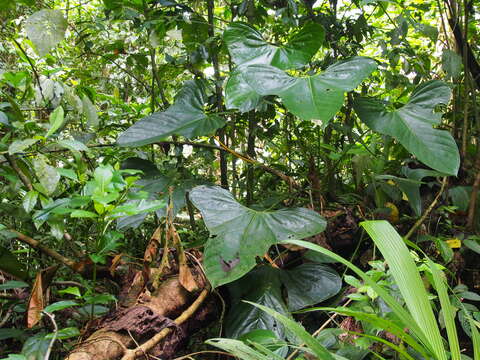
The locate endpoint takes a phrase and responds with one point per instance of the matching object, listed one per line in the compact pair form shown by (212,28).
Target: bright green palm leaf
(403,315)
(447,310)
(186,117)
(408,280)
(316,98)
(240,234)
(247,46)
(412,125)
(298,330)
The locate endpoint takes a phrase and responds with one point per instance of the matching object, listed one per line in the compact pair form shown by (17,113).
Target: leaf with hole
(240,234)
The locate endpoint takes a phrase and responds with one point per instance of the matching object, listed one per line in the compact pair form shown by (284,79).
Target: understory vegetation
(251,179)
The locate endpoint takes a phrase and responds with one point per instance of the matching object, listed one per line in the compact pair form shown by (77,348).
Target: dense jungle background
(251,179)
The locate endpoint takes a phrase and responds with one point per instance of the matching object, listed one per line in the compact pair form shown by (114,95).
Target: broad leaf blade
(46,28)
(309,284)
(239,234)
(185,117)
(316,98)
(247,46)
(412,125)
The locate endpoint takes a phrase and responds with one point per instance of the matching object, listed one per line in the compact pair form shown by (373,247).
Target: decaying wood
(132,332)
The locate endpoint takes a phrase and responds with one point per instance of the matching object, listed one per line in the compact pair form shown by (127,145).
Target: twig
(54,337)
(428,211)
(148,345)
(289,180)
(13,163)
(7,316)
(47,251)
(35,73)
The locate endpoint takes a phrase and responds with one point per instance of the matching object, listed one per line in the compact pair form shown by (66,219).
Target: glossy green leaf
(60,305)
(72,145)
(239,94)
(316,98)
(473,244)
(304,285)
(56,120)
(68,173)
(20,145)
(408,280)
(46,174)
(13,284)
(46,28)
(237,348)
(262,286)
(448,312)
(82,214)
(4,119)
(239,234)
(12,333)
(35,347)
(30,200)
(309,284)
(460,196)
(186,117)
(247,46)
(412,125)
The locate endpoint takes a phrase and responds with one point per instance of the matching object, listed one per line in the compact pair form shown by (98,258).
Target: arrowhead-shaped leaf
(240,234)
(412,125)
(247,46)
(186,117)
(46,28)
(316,98)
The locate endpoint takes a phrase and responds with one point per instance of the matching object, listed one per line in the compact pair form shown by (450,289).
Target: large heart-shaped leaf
(239,94)
(240,234)
(412,125)
(262,286)
(186,117)
(247,46)
(46,28)
(309,284)
(316,98)
(305,285)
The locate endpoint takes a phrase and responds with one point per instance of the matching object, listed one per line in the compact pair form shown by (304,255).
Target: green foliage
(186,117)
(112,111)
(239,234)
(412,125)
